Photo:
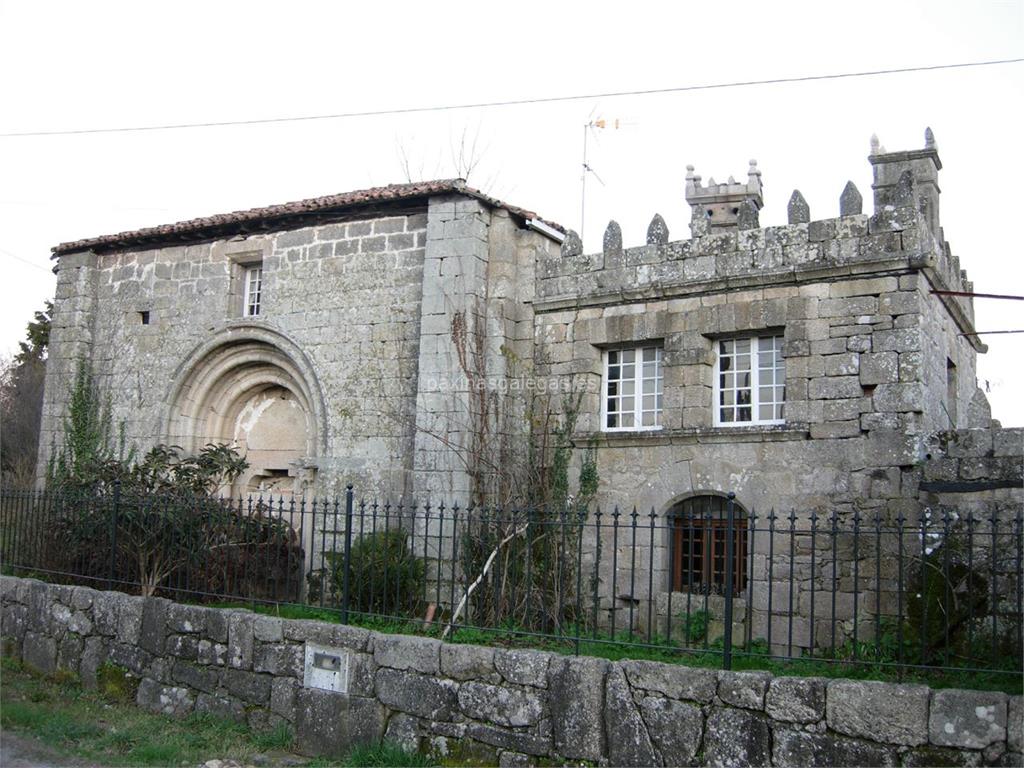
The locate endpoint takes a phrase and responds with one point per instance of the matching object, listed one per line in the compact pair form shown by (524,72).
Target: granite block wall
(510,706)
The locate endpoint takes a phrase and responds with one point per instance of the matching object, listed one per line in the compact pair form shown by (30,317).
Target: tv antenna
(592,125)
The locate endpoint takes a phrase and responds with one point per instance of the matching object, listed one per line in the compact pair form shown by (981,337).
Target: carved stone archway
(251,387)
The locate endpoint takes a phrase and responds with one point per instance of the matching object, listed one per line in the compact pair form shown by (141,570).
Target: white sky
(104,64)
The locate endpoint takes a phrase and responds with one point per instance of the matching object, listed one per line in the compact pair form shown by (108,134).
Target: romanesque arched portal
(252,388)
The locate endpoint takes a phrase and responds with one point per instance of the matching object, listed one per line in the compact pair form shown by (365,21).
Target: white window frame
(755,381)
(253,274)
(638,380)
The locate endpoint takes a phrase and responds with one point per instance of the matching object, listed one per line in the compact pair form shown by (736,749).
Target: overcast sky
(99,64)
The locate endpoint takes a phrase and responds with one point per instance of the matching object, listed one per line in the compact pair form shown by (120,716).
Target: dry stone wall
(518,707)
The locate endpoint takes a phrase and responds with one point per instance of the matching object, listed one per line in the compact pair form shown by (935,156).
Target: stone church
(359,338)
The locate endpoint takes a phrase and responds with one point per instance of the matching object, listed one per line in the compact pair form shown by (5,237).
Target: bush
(385,576)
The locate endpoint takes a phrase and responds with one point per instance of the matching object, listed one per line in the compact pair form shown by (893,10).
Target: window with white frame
(253,290)
(632,388)
(750,381)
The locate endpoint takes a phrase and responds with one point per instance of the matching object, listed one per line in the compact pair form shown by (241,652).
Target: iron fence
(940,592)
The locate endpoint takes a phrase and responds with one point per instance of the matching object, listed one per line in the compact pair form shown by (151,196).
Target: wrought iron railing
(941,592)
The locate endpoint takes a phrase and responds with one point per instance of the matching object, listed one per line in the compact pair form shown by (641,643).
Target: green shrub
(385,576)
(695,626)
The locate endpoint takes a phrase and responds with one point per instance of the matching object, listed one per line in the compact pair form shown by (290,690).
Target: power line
(25,261)
(972,294)
(519,102)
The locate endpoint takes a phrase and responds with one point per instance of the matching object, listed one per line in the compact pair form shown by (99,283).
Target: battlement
(717,206)
(729,247)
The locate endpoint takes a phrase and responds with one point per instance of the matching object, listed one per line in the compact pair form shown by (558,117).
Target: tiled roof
(222,224)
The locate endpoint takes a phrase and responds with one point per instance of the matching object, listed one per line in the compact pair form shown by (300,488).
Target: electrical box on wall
(326,668)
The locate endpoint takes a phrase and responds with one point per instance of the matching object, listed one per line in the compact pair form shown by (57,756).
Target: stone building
(360,338)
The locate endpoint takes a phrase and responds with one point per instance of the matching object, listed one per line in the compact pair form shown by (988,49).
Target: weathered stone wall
(346,295)
(876,358)
(356,314)
(516,706)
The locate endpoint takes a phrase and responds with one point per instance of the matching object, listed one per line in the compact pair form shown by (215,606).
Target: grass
(113,731)
(110,730)
(388,756)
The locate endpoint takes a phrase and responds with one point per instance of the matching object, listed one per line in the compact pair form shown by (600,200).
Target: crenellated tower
(721,206)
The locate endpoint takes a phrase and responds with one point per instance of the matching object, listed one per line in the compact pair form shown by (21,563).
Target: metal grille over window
(633,388)
(750,381)
(699,535)
(253,290)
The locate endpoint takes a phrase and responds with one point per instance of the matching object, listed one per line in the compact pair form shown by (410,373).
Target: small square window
(750,381)
(144,316)
(632,397)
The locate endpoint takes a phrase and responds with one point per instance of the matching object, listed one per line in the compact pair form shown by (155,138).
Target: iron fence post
(730,556)
(348,554)
(113,533)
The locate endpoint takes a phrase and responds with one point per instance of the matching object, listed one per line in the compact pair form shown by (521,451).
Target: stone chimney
(923,164)
(717,206)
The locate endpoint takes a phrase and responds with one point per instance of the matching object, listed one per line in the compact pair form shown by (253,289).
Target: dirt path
(20,751)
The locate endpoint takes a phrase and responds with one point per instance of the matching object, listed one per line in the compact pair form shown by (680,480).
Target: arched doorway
(250,388)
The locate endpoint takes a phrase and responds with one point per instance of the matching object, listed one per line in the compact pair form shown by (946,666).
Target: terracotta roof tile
(221,224)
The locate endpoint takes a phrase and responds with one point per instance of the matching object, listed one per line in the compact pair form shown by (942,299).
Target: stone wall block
(248,686)
(39,652)
(628,741)
(94,655)
(879,368)
(1015,723)
(577,683)
(220,706)
(968,719)
(69,652)
(793,748)
(282,697)
(356,638)
(13,621)
(208,652)
(796,699)
(268,629)
(500,705)
(1008,442)
(164,699)
(834,387)
(205,679)
(467,662)
(417,694)
(240,640)
(37,600)
(899,398)
(517,741)
(105,612)
(217,625)
(883,712)
(735,737)
(743,689)
(154,625)
(421,654)
(676,682)
(524,667)
(182,647)
(130,657)
(331,724)
(185,619)
(279,659)
(675,728)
